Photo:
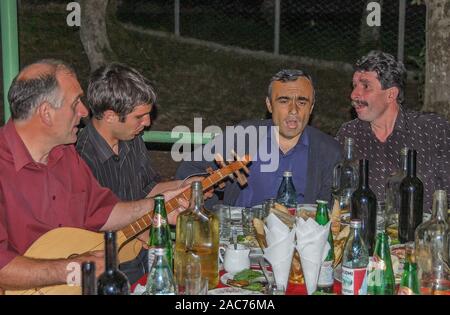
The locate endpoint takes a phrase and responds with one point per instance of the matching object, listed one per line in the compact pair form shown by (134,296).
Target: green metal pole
(182,137)
(10,48)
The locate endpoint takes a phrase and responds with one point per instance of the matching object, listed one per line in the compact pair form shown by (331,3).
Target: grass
(191,81)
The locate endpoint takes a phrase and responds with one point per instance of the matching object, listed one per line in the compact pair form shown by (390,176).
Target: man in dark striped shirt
(120,100)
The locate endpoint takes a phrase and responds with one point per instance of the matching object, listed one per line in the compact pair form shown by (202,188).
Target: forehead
(300,86)
(368,76)
(68,83)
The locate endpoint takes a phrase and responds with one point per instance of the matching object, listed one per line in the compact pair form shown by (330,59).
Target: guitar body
(65,242)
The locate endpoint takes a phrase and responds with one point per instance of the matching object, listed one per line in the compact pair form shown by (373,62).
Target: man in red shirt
(44,184)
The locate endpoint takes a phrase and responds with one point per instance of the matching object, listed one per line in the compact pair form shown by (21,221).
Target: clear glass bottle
(326,280)
(364,206)
(354,262)
(112,281)
(380,279)
(392,194)
(432,248)
(345,177)
(197,233)
(160,232)
(411,202)
(88,280)
(160,280)
(287,195)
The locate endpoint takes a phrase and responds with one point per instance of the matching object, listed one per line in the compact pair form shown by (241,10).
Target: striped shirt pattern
(129,175)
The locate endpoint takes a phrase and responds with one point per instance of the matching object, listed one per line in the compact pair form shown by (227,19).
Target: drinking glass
(223,212)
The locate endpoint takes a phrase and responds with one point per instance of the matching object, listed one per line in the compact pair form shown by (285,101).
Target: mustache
(359,103)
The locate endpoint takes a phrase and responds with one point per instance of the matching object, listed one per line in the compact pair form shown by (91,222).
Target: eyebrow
(301,98)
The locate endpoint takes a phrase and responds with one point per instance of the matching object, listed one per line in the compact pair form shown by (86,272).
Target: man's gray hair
(287,75)
(27,94)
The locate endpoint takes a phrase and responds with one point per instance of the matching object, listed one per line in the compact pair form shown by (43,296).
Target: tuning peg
(242,180)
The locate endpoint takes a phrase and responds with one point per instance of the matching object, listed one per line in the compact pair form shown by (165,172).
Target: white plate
(232,291)
(227,276)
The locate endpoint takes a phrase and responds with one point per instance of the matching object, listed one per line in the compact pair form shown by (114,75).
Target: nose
(355,95)
(82,110)
(292,107)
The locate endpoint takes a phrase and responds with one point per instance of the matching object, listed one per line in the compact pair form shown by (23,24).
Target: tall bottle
(392,192)
(411,202)
(345,177)
(432,248)
(197,233)
(364,206)
(380,279)
(287,194)
(354,262)
(160,280)
(326,280)
(112,281)
(409,284)
(88,280)
(160,232)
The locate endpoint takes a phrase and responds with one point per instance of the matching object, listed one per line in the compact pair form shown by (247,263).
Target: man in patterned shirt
(384,126)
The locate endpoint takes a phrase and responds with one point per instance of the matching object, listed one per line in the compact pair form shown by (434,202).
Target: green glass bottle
(326,280)
(160,232)
(381,279)
(409,284)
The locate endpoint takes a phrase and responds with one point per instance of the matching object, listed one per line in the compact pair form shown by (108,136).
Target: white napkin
(312,246)
(138,290)
(280,250)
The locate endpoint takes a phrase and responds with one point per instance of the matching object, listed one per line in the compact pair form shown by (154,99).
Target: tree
(437,58)
(93,32)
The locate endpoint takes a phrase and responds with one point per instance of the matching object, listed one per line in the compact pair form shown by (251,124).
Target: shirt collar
(20,154)
(400,124)
(102,147)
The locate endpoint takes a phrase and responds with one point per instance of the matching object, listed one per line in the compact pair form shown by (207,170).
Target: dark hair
(119,88)
(286,75)
(26,94)
(390,72)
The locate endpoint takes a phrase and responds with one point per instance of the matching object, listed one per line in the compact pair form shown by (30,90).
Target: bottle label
(292,211)
(326,274)
(376,269)
(354,281)
(158,220)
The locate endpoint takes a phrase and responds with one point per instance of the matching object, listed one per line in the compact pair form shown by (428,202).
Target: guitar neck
(145,222)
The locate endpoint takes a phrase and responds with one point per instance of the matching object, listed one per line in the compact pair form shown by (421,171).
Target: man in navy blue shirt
(292,145)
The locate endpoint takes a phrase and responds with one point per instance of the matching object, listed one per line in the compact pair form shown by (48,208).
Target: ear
(46,113)
(110,116)
(269,105)
(393,94)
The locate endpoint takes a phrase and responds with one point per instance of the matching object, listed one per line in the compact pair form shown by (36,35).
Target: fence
(335,30)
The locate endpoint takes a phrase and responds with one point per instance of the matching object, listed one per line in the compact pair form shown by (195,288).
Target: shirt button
(116,158)
(54,197)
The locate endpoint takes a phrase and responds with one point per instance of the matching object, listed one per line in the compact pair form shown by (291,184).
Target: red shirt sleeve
(6,253)
(100,200)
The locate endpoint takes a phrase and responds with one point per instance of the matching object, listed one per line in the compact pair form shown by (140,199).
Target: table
(292,289)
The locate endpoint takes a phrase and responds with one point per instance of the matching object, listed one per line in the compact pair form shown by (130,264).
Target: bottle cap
(159,197)
(355,223)
(287,174)
(404,151)
(323,202)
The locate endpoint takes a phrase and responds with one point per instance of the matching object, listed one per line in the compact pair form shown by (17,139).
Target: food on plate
(280,207)
(238,283)
(249,240)
(305,214)
(247,274)
(335,219)
(398,256)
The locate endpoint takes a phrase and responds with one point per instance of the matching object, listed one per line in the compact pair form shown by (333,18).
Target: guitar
(66,242)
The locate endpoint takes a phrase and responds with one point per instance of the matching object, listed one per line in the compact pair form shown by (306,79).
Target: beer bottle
(160,280)
(287,196)
(88,281)
(364,206)
(197,233)
(160,232)
(326,280)
(411,202)
(112,281)
(354,262)
(380,280)
(409,284)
